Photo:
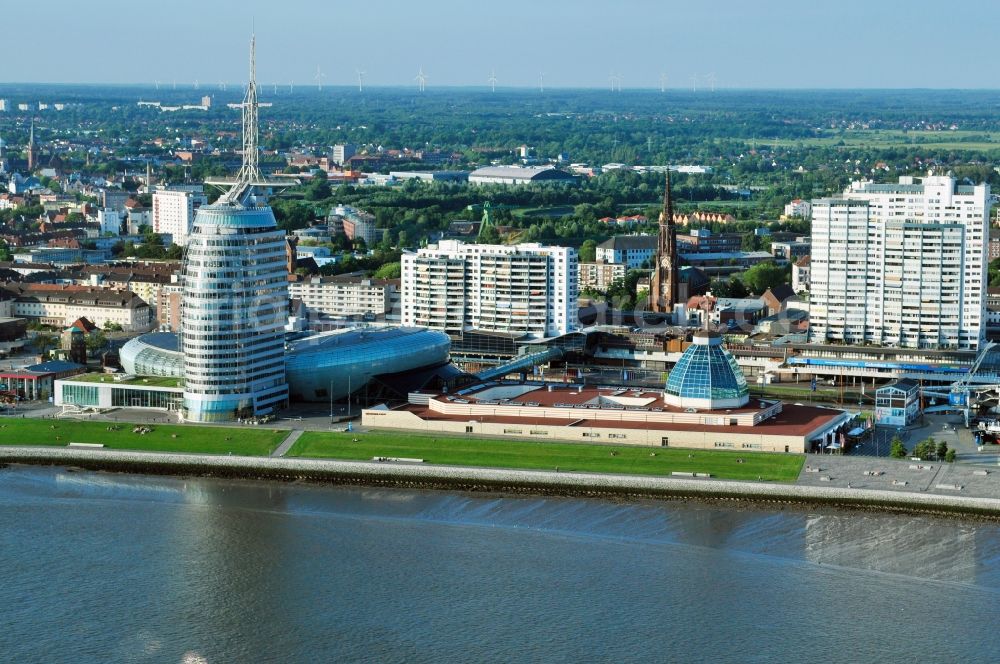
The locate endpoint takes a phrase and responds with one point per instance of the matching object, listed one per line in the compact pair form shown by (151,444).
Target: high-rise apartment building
(526,289)
(341,153)
(174,212)
(900,264)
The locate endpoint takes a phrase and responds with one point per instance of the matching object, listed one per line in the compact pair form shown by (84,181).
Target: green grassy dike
(163,438)
(548,455)
(456,451)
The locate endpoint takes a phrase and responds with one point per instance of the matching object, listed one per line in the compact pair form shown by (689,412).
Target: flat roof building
(618,416)
(520,175)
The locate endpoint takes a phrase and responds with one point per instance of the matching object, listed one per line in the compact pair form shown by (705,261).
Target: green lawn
(152,381)
(189,438)
(548,456)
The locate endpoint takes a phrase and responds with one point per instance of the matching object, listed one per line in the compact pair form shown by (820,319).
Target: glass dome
(706,377)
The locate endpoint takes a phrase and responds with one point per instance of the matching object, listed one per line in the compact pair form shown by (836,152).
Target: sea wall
(491,479)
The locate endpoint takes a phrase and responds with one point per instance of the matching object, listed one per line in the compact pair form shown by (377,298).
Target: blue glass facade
(317,367)
(707,376)
(325,366)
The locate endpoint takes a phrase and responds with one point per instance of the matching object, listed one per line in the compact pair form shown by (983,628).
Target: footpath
(282,449)
(974,480)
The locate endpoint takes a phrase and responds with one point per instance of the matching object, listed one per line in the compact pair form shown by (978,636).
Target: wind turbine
(711,81)
(694,82)
(361,79)
(157,84)
(541,81)
(319,79)
(663,82)
(291,86)
(222,85)
(492,80)
(421,79)
(195,84)
(175,84)
(616,82)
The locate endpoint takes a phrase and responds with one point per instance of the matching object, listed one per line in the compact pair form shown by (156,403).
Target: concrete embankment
(491,479)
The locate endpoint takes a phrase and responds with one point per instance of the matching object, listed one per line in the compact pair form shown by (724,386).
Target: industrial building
(520,175)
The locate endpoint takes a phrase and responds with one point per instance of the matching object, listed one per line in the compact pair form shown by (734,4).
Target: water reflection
(189,569)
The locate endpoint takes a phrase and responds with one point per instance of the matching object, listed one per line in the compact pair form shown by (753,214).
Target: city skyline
(676,46)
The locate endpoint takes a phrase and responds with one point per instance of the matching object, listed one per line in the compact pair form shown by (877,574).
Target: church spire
(32,153)
(666,278)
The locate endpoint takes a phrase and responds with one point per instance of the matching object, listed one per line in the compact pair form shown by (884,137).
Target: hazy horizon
(770,45)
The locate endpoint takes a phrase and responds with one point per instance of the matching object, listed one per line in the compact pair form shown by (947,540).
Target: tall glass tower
(235,297)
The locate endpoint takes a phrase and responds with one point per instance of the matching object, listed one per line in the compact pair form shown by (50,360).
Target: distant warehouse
(520,175)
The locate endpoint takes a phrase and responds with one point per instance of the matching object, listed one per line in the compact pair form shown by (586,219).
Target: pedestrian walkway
(287,443)
(978,479)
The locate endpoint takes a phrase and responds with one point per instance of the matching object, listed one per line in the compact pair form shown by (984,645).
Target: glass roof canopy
(707,377)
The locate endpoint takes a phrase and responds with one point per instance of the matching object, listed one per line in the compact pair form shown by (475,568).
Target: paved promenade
(885,474)
(880,495)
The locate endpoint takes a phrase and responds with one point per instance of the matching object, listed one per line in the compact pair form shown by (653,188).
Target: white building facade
(798,208)
(60,305)
(338,296)
(633,251)
(901,264)
(527,289)
(110,221)
(173,213)
(801,274)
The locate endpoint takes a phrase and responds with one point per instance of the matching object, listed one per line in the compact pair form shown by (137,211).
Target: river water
(101,567)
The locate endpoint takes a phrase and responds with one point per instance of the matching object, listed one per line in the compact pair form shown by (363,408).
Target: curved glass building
(706,376)
(326,366)
(152,354)
(233,313)
(317,367)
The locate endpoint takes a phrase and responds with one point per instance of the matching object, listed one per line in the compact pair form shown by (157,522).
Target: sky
(574,43)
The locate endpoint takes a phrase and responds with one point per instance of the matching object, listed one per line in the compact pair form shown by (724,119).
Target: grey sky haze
(760,44)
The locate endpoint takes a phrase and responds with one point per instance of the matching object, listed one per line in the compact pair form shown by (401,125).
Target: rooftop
(150,381)
(630,242)
(792,420)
